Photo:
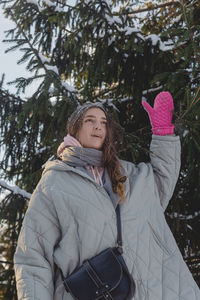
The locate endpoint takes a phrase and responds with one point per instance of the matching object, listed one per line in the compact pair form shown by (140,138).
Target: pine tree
(115,52)
(184,211)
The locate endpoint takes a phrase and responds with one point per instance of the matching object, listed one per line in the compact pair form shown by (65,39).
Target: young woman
(71,216)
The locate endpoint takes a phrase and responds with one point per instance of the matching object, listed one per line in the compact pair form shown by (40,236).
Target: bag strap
(119,231)
(119,243)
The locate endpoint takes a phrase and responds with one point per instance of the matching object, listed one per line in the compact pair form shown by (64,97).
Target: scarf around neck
(82,158)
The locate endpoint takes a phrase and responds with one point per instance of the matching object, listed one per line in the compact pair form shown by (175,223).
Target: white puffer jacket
(70,218)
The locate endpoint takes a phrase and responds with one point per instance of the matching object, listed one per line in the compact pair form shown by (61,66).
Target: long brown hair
(110,158)
(112,162)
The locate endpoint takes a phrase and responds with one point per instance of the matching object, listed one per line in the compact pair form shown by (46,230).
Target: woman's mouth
(97,136)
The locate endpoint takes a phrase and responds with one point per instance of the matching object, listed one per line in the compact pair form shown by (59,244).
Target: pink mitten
(161,114)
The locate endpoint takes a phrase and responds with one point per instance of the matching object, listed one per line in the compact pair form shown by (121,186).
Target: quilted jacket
(70,218)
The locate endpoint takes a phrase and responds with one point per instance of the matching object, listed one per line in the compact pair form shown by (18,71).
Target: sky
(8,61)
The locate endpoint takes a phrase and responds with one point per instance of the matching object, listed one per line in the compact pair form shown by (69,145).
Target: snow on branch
(15,189)
(40,8)
(46,62)
(174,215)
(52,68)
(152,90)
(34,2)
(43,58)
(68,87)
(110,103)
(155,39)
(150,7)
(48,3)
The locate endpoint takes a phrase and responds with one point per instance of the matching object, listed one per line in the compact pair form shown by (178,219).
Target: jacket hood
(56,165)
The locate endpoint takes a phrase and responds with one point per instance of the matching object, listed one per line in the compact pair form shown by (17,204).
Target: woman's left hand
(161,114)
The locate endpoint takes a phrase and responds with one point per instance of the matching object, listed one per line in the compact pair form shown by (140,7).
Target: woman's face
(92,132)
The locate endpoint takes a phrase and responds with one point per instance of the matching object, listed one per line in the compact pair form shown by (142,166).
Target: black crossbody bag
(104,276)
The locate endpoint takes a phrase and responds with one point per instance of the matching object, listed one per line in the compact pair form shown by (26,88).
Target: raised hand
(160,114)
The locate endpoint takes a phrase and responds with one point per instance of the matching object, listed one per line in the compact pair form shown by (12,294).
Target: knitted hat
(78,113)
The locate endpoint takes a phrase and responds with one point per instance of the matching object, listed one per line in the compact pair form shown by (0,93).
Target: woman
(71,215)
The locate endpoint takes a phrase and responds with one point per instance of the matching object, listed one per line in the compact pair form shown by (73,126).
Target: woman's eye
(89,120)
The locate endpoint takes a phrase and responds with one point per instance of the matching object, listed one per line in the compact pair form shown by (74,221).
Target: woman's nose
(97,125)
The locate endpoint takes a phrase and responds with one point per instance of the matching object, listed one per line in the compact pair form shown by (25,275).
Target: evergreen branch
(149,8)
(6,262)
(197,100)
(57,2)
(19,44)
(21,83)
(152,90)
(6,2)
(192,33)
(47,68)
(2,80)
(184,12)
(27,40)
(105,91)
(193,101)
(6,94)
(15,189)
(67,5)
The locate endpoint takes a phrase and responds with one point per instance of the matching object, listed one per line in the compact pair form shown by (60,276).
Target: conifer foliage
(115,52)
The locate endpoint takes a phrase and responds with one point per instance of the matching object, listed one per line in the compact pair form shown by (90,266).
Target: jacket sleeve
(165,160)
(33,259)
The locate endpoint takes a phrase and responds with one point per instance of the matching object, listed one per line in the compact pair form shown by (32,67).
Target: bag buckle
(102,289)
(120,249)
